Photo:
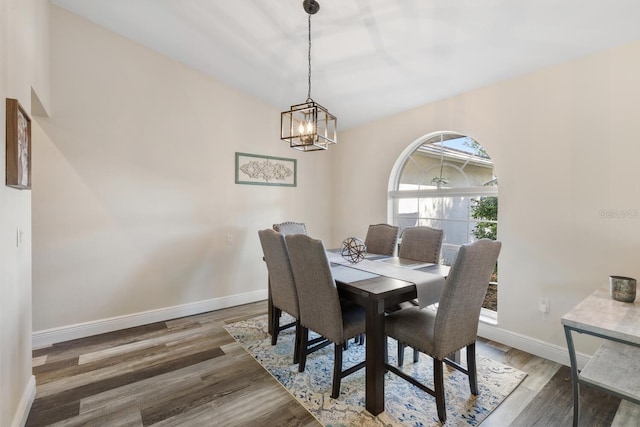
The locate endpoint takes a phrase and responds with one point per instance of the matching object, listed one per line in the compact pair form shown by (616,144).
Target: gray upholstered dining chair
(421,244)
(290,227)
(284,295)
(320,307)
(381,239)
(454,325)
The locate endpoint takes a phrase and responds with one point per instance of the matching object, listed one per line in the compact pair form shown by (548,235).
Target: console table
(615,365)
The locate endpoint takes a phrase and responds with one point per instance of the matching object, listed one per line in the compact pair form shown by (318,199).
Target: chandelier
(308,126)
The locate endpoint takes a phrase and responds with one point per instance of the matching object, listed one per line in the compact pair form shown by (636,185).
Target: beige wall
(24,67)
(563,142)
(134,192)
(135,184)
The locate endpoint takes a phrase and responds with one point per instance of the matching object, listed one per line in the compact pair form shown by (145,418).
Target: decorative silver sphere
(353,250)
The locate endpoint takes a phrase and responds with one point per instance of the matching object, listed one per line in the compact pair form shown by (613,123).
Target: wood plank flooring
(190,372)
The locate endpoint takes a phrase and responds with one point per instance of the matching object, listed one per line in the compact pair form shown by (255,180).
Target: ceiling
(370,58)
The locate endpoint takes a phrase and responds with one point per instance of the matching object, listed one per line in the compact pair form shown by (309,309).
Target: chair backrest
(381,239)
(456,324)
(290,227)
(284,294)
(421,244)
(320,308)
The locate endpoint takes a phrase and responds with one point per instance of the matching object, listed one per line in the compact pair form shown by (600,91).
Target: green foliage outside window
(485,208)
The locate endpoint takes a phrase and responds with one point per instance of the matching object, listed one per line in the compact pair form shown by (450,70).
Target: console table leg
(574,376)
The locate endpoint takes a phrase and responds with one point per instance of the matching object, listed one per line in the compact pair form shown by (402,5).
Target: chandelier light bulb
(306,127)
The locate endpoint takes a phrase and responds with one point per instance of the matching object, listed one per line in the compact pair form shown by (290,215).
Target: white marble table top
(599,313)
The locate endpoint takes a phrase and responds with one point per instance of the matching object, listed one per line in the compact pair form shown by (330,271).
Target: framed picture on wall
(255,169)
(18,155)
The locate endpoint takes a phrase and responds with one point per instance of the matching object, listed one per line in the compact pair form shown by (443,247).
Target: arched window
(446,180)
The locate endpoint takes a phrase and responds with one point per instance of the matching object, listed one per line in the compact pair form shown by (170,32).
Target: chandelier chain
(309,58)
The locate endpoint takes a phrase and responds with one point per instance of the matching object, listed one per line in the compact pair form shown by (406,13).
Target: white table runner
(428,285)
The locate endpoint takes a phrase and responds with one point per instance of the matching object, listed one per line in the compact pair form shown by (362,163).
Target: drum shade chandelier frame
(308,126)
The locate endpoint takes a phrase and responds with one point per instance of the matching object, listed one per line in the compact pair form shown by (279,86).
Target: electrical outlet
(229,239)
(543,305)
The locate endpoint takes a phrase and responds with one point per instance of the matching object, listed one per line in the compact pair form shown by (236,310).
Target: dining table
(378,293)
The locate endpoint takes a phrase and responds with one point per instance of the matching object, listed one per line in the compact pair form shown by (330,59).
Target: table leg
(574,376)
(375,370)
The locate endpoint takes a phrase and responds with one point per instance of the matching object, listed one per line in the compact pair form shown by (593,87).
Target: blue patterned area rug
(405,404)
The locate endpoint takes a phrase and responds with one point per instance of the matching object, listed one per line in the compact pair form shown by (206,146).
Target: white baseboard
(65,333)
(22,413)
(48,337)
(534,346)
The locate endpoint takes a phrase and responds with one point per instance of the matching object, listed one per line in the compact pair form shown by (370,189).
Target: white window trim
(444,192)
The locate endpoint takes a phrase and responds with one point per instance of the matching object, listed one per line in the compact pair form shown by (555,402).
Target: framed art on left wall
(256,169)
(18,155)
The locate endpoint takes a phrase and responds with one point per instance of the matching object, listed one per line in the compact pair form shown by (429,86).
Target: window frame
(394,195)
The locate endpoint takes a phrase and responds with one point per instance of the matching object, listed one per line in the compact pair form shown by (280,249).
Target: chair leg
(386,349)
(438,383)
(471,368)
(304,340)
(401,347)
(275,318)
(337,371)
(296,345)
(358,339)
